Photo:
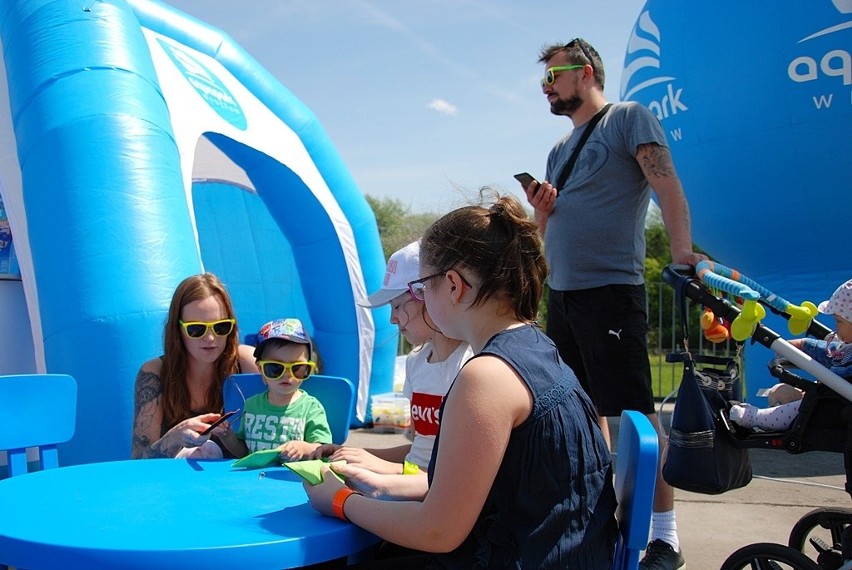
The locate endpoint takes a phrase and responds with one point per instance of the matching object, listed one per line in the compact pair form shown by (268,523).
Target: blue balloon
(756,101)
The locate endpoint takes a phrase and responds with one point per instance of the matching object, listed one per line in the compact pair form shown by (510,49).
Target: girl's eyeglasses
(274,369)
(197,329)
(417,288)
(550,73)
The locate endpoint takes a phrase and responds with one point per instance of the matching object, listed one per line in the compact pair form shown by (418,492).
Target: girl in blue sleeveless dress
(521,476)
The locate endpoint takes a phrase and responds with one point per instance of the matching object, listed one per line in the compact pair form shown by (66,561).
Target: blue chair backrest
(635,479)
(38,411)
(336,394)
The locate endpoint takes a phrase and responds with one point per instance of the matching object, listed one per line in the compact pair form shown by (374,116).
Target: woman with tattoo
(179,394)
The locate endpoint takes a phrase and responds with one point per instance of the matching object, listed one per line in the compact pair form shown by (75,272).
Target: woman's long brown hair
(175,391)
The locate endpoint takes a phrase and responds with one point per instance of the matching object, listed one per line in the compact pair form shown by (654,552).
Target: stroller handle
(698,292)
(684,276)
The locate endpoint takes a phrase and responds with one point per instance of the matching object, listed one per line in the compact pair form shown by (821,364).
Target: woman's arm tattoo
(147,393)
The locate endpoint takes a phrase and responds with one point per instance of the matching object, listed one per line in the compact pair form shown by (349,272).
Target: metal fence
(665,335)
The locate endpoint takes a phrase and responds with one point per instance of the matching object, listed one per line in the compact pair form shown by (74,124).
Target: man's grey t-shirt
(595,235)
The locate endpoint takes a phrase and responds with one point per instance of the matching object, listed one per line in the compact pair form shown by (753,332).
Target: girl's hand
(365,459)
(321,494)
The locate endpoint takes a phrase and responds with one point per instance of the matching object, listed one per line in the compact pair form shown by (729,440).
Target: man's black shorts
(601,334)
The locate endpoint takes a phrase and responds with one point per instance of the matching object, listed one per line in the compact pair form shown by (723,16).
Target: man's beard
(567,106)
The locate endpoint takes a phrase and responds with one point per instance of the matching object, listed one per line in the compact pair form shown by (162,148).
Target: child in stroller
(823,421)
(836,355)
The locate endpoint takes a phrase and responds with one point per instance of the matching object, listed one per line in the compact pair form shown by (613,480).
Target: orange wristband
(339,500)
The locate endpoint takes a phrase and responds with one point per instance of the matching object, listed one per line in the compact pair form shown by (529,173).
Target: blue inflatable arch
(108,104)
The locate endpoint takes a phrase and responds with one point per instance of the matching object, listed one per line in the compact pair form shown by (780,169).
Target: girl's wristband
(339,500)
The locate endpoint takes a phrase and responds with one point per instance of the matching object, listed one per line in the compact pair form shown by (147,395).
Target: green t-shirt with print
(265,426)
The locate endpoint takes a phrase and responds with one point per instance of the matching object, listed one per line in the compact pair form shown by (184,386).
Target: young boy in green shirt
(283,417)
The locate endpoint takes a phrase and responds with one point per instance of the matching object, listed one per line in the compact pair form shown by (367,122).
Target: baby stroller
(823,422)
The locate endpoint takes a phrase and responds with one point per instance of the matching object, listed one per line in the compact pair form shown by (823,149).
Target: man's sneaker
(661,556)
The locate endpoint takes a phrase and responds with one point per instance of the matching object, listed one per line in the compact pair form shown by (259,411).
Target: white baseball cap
(403,266)
(840,302)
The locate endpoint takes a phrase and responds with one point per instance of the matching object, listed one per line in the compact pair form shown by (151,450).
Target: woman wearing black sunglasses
(179,394)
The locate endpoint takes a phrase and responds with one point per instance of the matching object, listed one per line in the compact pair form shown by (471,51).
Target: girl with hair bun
(520,476)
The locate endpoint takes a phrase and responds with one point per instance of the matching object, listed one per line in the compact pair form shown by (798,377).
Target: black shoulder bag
(569,166)
(702,454)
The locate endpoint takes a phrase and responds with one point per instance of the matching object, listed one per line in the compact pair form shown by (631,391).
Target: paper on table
(260,458)
(310,470)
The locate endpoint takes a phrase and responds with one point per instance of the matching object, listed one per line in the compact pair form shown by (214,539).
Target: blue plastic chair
(38,411)
(635,479)
(336,394)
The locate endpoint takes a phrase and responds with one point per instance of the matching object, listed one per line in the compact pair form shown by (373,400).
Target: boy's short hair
(281,332)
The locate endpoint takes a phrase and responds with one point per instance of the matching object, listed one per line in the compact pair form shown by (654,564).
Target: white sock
(777,418)
(743,414)
(664,527)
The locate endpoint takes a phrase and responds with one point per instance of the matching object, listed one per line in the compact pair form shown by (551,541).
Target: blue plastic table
(167,513)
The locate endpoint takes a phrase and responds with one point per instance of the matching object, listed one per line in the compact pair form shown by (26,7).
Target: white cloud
(443,107)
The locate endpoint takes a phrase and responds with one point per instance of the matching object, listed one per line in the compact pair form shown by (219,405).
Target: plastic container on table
(391,412)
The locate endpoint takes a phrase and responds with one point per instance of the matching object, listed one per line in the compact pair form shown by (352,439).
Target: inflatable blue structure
(755,99)
(114,108)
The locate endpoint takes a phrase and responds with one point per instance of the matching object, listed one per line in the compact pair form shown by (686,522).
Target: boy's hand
(296,450)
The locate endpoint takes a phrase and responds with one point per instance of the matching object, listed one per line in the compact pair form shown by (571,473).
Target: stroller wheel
(820,535)
(768,556)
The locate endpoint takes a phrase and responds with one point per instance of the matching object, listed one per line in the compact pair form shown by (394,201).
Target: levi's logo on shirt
(425,412)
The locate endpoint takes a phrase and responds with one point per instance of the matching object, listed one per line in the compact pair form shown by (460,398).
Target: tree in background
(664,326)
(398,227)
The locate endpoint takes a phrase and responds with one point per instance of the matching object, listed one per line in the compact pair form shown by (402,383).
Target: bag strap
(680,298)
(569,166)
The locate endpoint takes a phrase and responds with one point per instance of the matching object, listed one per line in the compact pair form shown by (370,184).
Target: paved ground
(711,527)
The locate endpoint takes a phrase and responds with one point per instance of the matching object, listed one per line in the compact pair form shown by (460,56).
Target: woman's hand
(321,494)
(365,481)
(325,450)
(188,433)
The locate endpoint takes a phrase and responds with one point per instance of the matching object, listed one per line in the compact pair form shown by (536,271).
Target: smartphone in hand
(224,417)
(525,178)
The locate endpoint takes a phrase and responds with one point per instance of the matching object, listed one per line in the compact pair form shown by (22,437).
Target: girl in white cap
(429,371)
(835,353)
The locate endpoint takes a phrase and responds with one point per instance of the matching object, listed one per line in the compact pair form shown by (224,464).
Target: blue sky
(425,101)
